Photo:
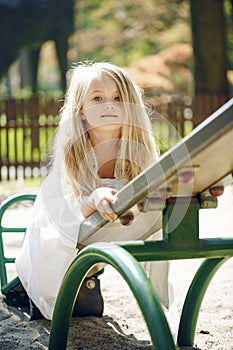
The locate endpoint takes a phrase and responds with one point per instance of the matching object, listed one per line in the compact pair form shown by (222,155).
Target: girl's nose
(109,107)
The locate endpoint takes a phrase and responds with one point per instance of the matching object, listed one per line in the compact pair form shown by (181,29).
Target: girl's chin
(106,126)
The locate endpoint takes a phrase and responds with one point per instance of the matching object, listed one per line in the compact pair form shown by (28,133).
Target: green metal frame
(180,241)
(5,284)
(133,274)
(194,299)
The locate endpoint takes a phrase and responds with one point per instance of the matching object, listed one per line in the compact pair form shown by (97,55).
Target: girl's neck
(106,149)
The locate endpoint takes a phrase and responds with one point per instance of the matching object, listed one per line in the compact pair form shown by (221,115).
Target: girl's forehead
(102,83)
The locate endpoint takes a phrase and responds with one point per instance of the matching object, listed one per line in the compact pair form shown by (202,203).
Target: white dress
(51,239)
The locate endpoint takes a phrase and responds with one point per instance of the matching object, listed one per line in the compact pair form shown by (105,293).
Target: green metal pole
(3,276)
(194,299)
(133,274)
(162,250)
(3,207)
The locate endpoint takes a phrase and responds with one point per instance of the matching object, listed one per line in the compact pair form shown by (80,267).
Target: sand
(122,326)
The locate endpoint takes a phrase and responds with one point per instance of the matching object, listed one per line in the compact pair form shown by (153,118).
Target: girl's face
(102,106)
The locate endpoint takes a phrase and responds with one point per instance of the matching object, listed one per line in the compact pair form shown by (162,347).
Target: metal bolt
(90,284)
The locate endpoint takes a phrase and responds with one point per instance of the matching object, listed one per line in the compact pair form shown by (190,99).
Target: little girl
(103,141)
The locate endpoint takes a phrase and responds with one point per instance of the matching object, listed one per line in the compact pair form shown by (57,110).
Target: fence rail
(27,127)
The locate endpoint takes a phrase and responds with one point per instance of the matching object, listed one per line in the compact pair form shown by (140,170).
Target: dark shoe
(89,301)
(35,313)
(16,295)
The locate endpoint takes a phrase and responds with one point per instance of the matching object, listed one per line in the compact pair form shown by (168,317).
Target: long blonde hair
(74,155)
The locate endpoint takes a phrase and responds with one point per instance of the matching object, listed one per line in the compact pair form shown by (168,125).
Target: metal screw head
(90,284)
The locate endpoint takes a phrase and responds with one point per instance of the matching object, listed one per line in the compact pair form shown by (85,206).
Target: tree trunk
(209,46)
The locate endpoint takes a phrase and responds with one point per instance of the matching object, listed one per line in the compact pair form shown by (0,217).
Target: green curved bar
(194,299)
(133,274)
(14,199)
(3,207)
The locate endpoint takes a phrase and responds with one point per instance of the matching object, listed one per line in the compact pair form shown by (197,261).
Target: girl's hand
(101,200)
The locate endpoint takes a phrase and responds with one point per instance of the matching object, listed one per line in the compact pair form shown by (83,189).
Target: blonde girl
(104,140)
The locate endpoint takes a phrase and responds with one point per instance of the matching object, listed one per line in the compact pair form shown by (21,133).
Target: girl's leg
(95,270)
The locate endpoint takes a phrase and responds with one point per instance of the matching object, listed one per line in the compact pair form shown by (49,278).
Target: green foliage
(122,32)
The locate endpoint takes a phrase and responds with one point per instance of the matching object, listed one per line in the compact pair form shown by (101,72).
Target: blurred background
(179,52)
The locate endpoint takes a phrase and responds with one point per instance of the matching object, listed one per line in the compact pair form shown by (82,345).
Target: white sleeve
(62,209)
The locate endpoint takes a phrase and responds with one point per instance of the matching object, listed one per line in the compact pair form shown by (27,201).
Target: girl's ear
(82,115)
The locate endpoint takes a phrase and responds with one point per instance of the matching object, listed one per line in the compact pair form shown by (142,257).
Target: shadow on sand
(85,333)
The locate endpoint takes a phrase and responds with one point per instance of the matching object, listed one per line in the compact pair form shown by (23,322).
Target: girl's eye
(117,98)
(97,98)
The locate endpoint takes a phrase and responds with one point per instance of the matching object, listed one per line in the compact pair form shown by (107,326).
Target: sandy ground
(123,326)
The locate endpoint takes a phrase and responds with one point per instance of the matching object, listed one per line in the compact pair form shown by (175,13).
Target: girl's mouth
(108,116)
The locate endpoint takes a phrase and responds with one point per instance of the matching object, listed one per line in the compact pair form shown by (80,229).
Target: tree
(209,46)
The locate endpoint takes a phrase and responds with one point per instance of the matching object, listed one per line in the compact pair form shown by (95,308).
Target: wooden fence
(27,127)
